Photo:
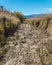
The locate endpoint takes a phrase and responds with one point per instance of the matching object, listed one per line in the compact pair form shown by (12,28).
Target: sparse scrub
(8,25)
(20,16)
(41,23)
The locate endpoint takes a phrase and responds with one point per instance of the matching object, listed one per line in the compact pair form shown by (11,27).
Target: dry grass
(10,17)
(43,23)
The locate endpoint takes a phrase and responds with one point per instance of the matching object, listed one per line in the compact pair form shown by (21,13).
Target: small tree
(20,16)
(1,8)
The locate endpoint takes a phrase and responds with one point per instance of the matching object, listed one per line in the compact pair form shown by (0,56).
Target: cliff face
(30,44)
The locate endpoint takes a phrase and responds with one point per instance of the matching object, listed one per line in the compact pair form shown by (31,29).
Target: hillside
(30,42)
(43,23)
(36,15)
(8,25)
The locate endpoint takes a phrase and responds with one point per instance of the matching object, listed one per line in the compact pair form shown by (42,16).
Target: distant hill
(36,15)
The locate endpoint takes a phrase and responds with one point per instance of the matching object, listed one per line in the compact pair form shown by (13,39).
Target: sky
(28,7)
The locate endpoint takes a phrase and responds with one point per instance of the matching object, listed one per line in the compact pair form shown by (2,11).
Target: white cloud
(48,9)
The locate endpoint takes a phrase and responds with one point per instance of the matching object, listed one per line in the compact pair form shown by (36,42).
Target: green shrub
(19,15)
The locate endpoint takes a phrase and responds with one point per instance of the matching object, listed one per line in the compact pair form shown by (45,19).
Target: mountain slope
(36,15)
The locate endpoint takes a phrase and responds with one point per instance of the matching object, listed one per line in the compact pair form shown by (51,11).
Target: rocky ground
(28,46)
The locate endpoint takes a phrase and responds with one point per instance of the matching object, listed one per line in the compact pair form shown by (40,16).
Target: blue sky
(28,7)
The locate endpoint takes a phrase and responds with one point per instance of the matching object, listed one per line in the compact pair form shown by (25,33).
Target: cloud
(48,9)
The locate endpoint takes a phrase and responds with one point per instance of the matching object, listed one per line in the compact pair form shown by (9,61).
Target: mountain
(36,15)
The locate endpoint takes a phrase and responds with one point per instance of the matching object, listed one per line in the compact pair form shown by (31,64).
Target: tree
(1,8)
(20,16)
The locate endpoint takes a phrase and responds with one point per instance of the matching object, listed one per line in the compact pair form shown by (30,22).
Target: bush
(41,23)
(19,15)
(1,29)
